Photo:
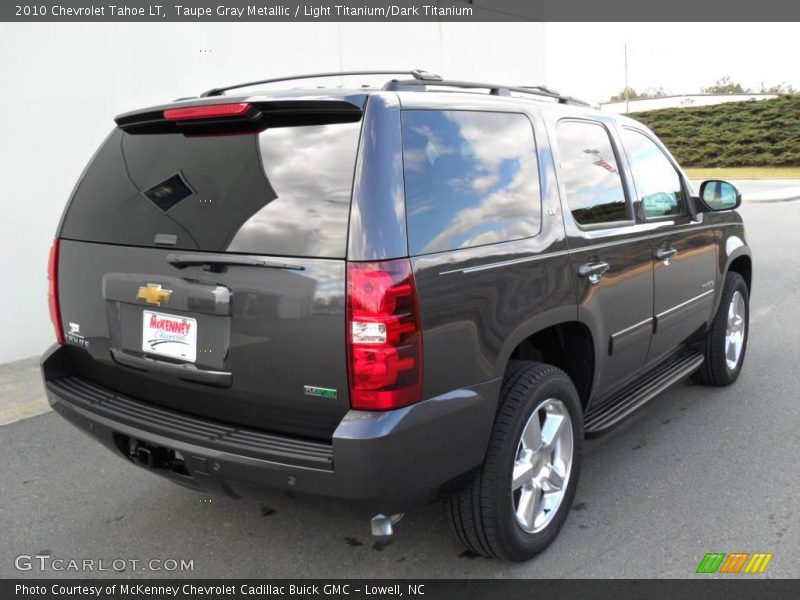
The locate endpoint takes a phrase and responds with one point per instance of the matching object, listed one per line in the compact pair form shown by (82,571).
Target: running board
(599,420)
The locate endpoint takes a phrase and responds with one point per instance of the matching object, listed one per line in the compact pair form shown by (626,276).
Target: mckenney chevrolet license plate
(169,335)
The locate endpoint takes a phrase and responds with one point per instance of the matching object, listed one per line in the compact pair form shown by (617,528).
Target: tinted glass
(658,184)
(285,191)
(590,173)
(471,179)
(720,195)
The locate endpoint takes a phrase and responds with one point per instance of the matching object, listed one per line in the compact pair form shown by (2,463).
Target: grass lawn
(744,173)
(732,134)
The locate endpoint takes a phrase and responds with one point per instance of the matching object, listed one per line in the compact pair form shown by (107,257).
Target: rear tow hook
(142,456)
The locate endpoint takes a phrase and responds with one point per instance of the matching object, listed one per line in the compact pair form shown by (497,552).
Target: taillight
(207,111)
(52,291)
(384,335)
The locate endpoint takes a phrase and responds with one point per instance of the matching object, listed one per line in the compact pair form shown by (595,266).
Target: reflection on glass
(657,182)
(285,191)
(310,170)
(719,195)
(472,178)
(590,173)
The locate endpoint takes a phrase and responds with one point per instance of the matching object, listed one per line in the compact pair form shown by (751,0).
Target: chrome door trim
(630,240)
(507,263)
(624,337)
(673,312)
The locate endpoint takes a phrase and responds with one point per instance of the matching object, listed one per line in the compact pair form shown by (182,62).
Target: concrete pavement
(697,470)
(21,391)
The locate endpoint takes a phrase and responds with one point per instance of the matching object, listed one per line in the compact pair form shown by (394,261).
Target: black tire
(482,513)
(715,370)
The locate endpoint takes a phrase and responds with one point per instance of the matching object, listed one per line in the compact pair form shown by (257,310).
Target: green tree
(725,85)
(627,93)
(781,88)
(634,95)
(653,93)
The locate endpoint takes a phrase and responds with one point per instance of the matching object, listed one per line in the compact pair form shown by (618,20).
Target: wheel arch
(739,260)
(568,345)
(742,264)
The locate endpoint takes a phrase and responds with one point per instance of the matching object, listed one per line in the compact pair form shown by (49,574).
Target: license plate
(169,335)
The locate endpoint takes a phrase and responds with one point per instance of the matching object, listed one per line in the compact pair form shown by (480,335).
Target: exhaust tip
(382,525)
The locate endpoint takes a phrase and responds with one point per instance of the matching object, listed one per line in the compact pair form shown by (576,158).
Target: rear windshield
(285,191)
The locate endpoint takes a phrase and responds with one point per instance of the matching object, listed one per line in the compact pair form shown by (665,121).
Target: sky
(586,60)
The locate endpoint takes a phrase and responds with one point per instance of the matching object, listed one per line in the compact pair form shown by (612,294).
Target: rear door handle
(593,271)
(184,371)
(665,253)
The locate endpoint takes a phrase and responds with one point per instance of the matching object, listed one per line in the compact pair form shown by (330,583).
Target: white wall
(679,101)
(63,84)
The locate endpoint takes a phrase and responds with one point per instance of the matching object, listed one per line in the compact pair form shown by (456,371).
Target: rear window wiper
(215,261)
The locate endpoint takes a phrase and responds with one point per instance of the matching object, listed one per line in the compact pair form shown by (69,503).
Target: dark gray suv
(388,295)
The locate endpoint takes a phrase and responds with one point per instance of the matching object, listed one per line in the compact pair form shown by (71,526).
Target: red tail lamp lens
(384,335)
(52,291)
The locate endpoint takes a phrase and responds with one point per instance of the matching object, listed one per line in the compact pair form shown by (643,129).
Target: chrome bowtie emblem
(153,294)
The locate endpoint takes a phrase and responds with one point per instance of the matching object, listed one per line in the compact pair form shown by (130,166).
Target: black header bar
(397,10)
(409,589)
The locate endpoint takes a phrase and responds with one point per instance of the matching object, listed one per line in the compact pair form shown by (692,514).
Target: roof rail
(417,74)
(494,88)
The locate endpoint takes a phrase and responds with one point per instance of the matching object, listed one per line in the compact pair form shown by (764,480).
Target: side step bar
(609,413)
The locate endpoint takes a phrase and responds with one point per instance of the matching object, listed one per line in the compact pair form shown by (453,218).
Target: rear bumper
(382,461)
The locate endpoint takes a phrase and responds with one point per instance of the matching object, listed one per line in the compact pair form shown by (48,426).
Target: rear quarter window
(471,179)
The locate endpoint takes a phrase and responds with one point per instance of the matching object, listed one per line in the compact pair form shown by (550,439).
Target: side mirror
(717,195)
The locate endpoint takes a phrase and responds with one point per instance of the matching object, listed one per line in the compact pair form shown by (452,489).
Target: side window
(472,178)
(657,182)
(590,173)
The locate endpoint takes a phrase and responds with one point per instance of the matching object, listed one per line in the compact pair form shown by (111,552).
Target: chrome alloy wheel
(735,330)
(542,466)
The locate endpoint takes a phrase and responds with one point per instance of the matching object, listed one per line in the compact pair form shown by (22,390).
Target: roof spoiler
(237,117)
